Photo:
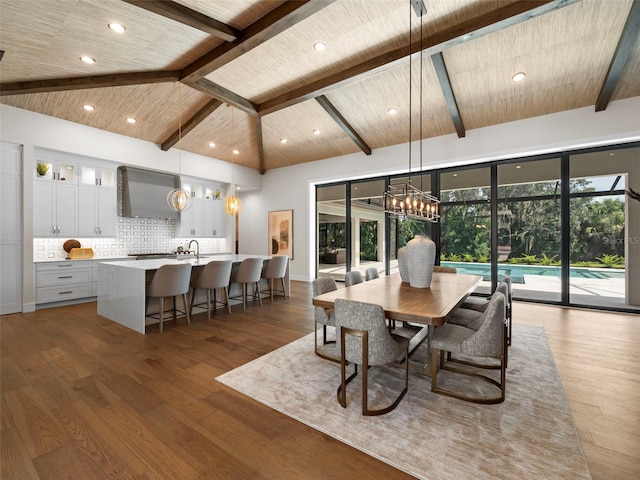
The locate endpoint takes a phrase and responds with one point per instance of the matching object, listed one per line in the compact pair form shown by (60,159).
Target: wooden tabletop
(427,306)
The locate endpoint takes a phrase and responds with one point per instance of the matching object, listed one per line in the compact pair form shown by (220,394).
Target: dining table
(424,308)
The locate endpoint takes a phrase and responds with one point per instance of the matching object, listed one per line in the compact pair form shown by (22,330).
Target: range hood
(143,193)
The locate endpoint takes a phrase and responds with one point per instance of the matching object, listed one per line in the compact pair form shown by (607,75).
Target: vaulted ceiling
(180,65)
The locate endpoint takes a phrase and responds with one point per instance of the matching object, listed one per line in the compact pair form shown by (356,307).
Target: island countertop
(122,286)
(154,264)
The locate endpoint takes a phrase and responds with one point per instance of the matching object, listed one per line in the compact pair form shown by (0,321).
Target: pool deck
(608,292)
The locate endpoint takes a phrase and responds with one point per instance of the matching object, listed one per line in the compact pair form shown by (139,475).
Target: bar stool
(170,281)
(249,271)
(213,276)
(276,268)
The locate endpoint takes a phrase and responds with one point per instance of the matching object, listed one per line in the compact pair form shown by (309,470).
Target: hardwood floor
(85,398)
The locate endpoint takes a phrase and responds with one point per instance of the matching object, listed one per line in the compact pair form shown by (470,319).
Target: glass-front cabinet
(55,195)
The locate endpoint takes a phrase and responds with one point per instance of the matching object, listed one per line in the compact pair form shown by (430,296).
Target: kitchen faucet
(197,248)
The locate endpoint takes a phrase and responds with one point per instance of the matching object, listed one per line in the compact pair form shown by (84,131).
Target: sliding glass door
(529,209)
(565,227)
(331,234)
(599,246)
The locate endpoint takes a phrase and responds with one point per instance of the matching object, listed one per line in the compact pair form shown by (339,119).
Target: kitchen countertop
(157,263)
(119,259)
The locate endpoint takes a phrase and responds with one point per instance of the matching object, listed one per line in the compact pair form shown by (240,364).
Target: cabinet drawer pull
(67,276)
(65,293)
(65,265)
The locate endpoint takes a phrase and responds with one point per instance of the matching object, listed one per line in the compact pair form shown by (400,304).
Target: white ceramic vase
(402,264)
(421,255)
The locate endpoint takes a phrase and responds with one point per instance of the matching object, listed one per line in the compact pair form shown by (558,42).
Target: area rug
(530,436)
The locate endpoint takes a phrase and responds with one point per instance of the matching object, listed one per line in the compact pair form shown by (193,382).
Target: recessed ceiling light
(283,140)
(87,59)
(212,144)
(611,154)
(518,166)
(392,111)
(319,46)
(131,120)
(117,27)
(455,174)
(236,151)
(88,108)
(518,76)
(316,132)
(237,188)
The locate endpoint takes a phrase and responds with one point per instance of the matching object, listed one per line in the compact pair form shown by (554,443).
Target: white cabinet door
(67,210)
(209,221)
(10,229)
(55,209)
(184,225)
(220,216)
(97,212)
(44,209)
(197,217)
(107,205)
(87,211)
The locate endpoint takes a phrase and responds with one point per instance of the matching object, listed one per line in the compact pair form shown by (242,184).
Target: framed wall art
(281,233)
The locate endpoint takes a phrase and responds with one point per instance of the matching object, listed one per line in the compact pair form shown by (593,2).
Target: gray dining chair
(480,304)
(371,273)
(249,272)
(364,339)
(169,281)
(215,275)
(276,269)
(488,341)
(324,317)
(352,278)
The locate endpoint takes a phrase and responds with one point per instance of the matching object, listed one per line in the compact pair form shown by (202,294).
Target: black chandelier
(404,200)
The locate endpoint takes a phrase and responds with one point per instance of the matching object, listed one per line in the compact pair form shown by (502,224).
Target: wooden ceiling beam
(506,16)
(342,122)
(260,145)
(82,83)
(210,107)
(217,91)
(273,23)
(447,90)
(180,13)
(628,38)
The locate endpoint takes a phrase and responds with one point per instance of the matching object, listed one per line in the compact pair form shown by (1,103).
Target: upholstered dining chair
(170,281)
(249,272)
(324,317)
(214,276)
(275,269)
(364,339)
(352,278)
(480,304)
(371,273)
(488,341)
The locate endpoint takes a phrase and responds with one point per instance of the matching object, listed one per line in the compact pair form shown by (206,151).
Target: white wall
(294,187)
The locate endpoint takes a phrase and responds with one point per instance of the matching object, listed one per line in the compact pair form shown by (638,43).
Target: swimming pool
(517,272)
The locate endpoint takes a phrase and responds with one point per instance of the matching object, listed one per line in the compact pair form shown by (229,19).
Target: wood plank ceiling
(180,64)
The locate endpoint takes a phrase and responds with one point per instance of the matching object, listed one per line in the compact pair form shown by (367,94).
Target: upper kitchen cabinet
(203,218)
(55,196)
(97,204)
(99,175)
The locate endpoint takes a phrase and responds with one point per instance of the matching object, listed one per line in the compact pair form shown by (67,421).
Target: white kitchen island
(121,286)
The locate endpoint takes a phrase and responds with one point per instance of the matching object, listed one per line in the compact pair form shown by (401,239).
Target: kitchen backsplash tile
(134,235)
